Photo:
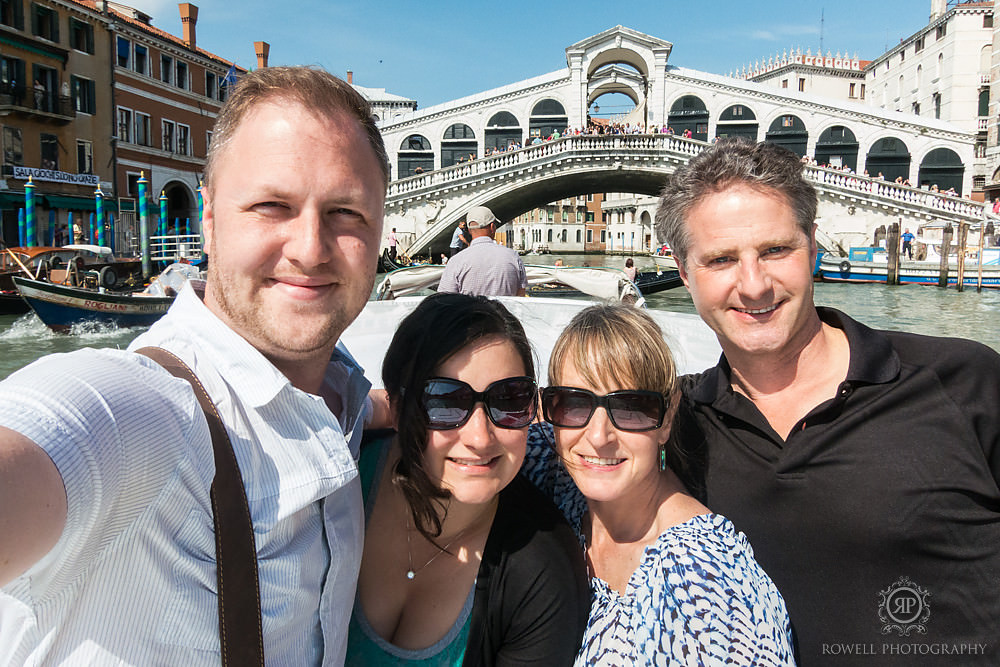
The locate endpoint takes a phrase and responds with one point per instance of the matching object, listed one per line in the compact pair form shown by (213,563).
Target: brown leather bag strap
(240,631)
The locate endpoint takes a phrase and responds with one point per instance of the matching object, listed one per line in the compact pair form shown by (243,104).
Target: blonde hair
(618,347)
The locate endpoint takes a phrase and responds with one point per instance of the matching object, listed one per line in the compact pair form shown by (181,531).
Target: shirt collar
(873,359)
(482,239)
(190,329)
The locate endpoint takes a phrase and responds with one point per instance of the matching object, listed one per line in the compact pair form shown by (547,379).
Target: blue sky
(438,50)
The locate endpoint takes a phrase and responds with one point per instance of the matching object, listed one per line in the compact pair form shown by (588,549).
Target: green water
(927,310)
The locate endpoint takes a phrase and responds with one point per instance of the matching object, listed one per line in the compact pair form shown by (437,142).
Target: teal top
(364,645)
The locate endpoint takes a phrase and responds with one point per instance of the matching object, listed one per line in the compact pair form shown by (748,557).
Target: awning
(11,199)
(70,202)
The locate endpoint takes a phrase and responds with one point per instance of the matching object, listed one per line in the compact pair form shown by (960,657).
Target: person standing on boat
(907,238)
(458,240)
(392,244)
(486,268)
(863,465)
(108,553)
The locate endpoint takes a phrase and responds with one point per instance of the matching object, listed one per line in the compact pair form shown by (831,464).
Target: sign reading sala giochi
(55,176)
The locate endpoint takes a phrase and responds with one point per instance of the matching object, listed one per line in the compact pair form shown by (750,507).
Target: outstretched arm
(32,504)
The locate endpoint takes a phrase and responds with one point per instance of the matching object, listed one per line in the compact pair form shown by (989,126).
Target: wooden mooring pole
(892,248)
(963,242)
(946,235)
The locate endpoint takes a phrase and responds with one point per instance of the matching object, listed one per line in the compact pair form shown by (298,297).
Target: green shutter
(19,14)
(92,97)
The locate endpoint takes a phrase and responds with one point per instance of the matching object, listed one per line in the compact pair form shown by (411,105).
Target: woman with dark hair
(465,563)
(671,583)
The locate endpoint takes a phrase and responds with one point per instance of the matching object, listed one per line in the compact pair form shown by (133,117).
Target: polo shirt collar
(480,240)
(873,359)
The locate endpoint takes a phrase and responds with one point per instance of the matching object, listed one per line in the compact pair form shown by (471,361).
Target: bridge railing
(499,162)
(920,197)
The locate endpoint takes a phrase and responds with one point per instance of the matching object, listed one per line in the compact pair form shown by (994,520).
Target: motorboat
(60,307)
(871,265)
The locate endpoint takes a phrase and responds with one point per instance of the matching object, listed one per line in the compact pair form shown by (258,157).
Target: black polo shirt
(879,517)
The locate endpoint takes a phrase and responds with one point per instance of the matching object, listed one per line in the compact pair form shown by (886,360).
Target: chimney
(938,8)
(262,49)
(350,76)
(189,19)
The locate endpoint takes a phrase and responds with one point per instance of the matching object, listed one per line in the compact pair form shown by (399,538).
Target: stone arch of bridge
(510,199)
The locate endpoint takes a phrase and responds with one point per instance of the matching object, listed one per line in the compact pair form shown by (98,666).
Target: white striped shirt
(132,579)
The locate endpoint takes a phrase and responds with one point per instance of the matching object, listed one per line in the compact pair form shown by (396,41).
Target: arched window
(547,116)
(690,114)
(458,145)
(502,129)
(415,156)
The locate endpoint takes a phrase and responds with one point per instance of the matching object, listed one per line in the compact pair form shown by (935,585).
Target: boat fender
(845,267)
(108,277)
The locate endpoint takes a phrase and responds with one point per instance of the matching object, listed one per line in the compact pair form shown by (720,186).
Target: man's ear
(207,217)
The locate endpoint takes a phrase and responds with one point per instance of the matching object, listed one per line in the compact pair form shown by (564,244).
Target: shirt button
(846,390)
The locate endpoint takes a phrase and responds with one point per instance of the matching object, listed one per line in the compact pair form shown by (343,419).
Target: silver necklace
(411,573)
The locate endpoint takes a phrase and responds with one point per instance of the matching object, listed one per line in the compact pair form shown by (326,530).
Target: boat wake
(29,327)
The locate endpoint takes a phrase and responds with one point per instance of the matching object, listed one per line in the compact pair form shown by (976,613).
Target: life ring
(845,267)
(108,277)
(55,262)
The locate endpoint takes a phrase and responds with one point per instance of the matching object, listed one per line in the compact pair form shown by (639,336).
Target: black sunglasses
(629,410)
(509,403)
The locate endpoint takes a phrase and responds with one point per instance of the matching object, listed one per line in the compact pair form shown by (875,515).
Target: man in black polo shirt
(862,464)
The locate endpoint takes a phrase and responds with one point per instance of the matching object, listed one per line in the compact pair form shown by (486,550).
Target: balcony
(36,104)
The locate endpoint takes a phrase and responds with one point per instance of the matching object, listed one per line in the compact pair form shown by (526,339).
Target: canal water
(927,310)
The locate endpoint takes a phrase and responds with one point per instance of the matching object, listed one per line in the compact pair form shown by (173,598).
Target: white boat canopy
(601,283)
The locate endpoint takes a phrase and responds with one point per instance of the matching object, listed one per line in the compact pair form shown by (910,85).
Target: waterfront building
(55,99)
(629,220)
(385,106)
(942,72)
(992,189)
(167,92)
(560,227)
(830,75)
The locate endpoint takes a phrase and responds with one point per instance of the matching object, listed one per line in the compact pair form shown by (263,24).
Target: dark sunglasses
(630,410)
(509,403)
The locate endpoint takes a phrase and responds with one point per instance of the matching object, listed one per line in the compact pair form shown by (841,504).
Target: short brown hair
(762,166)
(313,87)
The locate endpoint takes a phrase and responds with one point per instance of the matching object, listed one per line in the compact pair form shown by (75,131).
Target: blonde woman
(671,582)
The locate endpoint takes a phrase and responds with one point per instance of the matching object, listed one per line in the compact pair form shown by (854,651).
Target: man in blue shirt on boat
(907,239)
(863,465)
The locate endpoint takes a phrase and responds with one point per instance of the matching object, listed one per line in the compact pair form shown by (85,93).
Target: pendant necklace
(411,572)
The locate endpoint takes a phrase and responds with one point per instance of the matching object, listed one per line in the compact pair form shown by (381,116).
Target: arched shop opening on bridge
(458,145)
(689,113)
(942,167)
(738,122)
(837,147)
(415,156)
(547,117)
(502,129)
(890,157)
(788,131)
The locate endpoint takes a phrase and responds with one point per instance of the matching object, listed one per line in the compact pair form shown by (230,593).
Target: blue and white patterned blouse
(698,596)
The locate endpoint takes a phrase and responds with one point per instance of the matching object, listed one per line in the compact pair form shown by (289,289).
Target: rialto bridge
(445,158)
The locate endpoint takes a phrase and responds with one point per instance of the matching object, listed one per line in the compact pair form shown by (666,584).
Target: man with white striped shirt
(108,547)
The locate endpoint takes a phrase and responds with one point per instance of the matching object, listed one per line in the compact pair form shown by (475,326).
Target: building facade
(167,94)
(942,72)
(55,99)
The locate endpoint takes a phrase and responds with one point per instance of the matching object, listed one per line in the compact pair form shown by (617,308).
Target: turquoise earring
(663,457)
